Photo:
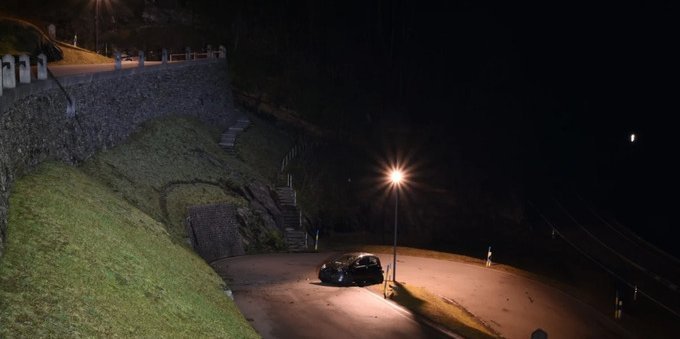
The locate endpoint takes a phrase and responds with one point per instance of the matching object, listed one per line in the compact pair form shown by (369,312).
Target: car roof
(354,255)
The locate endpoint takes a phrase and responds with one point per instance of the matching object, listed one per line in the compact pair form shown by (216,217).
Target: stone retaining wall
(109,106)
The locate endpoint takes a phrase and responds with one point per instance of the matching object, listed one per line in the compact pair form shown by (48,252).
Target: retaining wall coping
(10,95)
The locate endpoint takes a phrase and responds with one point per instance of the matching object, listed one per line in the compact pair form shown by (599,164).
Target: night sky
(564,83)
(543,94)
(537,95)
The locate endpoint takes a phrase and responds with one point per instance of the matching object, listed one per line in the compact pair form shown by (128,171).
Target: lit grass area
(445,313)
(262,146)
(423,253)
(75,55)
(165,156)
(80,261)
(180,196)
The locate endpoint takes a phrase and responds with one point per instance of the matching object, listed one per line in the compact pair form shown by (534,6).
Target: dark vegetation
(489,105)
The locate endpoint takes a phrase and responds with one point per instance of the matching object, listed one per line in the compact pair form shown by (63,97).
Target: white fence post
(24,69)
(118,64)
(141,58)
(488,257)
(42,66)
(8,74)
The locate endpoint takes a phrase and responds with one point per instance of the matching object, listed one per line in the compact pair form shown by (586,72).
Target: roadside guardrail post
(209,51)
(118,64)
(223,52)
(42,66)
(188,54)
(164,56)
(316,240)
(488,257)
(8,74)
(24,69)
(141,58)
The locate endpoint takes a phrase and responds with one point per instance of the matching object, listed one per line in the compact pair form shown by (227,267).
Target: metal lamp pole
(394,254)
(96,26)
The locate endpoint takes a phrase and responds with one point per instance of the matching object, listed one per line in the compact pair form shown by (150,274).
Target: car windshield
(345,259)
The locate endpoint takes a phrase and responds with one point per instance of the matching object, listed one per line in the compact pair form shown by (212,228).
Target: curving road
(282,297)
(63,70)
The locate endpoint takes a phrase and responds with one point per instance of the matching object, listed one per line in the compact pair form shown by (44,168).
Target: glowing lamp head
(396,177)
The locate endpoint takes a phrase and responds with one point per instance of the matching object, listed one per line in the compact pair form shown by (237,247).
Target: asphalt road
(62,70)
(282,297)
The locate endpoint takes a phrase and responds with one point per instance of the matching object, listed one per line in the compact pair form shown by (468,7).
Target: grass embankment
(81,261)
(75,55)
(18,36)
(174,163)
(443,312)
(99,251)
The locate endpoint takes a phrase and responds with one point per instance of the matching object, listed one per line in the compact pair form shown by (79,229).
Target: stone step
(227,140)
(295,240)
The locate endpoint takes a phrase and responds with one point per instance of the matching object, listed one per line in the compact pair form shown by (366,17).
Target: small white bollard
(223,52)
(488,257)
(316,241)
(24,69)
(618,307)
(52,31)
(187,57)
(164,57)
(42,66)
(8,74)
(118,64)
(141,58)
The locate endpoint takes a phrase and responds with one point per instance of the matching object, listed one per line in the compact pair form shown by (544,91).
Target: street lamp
(96,26)
(396,177)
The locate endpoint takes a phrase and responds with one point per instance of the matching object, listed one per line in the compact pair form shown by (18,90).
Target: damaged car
(358,268)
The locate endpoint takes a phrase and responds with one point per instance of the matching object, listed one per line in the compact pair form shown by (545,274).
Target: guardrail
(195,56)
(18,68)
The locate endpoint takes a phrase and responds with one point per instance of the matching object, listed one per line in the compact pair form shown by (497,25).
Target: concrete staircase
(294,236)
(228,138)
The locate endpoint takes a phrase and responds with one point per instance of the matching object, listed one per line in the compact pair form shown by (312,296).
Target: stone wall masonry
(109,107)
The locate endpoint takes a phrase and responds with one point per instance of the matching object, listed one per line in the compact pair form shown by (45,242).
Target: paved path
(283,298)
(62,70)
(514,306)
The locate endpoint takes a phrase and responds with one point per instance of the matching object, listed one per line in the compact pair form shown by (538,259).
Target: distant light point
(632,137)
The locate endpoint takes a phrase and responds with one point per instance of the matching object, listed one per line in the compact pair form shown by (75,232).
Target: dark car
(352,268)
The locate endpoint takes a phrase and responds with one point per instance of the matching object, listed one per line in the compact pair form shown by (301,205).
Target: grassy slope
(436,309)
(81,261)
(170,160)
(87,254)
(75,55)
(263,147)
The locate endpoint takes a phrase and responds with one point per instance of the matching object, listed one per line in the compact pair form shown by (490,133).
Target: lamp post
(396,177)
(96,26)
